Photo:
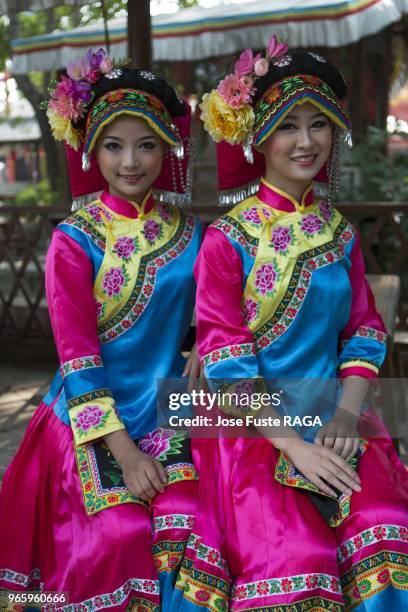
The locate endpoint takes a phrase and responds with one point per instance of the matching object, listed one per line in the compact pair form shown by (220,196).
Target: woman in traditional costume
(83,509)
(298,518)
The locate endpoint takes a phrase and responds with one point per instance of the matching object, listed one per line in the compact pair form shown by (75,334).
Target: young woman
(84,510)
(293,518)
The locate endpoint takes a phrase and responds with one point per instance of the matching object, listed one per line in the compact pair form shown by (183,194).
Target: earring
(334,167)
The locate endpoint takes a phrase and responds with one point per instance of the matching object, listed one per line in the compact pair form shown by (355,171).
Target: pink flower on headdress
(93,76)
(95,59)
(78,69)
(244,65)
(69,97)
(275,48)
(106,65)
(234,91)
(261,67)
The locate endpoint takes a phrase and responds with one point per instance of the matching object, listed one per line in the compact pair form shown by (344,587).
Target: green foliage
(39,194)
(384,176)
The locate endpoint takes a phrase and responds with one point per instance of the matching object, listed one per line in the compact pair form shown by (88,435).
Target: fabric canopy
(198,33)
(16,6)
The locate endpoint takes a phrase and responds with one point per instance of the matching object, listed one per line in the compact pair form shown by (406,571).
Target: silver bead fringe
(235,196)
(84,200)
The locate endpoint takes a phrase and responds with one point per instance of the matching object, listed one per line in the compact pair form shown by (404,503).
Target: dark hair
(132,78)
(303,62)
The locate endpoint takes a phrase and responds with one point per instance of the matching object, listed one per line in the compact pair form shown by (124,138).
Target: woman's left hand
(340,437)
(192,368)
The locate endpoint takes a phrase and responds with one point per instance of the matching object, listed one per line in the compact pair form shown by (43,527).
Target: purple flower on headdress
(281,238)
(311,224)
(95,59)
(151,230)
(265,279)
(78,69)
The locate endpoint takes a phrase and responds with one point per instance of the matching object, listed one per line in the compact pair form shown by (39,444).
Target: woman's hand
(192,368)
(341,438)
(144,475)
(321,465)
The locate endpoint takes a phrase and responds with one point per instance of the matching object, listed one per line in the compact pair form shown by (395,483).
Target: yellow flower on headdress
(223,122)
(62,129)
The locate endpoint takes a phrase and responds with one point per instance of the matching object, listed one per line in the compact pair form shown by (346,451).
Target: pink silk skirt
(123,557)
(260,545)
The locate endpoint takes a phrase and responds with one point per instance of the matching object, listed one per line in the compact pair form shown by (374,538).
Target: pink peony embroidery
(113,281)
(151,230)
(124,247)
(95,212)
(250,310)
(325,211)
(251,215)
(281,239)
(235,91)
(99,309)
(91,416)
(164,212)
(157,442)
(311,224)
(265,279)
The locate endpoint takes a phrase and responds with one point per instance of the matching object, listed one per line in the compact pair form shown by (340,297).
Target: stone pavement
(22,388)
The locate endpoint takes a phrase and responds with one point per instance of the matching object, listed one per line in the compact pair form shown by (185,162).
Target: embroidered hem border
(287,475)
(96,498)
(374,574)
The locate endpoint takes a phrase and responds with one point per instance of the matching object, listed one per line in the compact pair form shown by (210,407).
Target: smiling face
(130,156)
(298,149)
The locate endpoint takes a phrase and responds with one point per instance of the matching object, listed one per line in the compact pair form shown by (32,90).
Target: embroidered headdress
(91,95)
(249,104)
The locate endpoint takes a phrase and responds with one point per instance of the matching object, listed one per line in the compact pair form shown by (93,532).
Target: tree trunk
(139,34)
(34,97)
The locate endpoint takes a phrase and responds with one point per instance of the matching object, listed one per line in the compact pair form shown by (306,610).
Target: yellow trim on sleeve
(359,364)
(91,420)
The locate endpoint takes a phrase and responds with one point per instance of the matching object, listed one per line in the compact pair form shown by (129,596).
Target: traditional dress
(120,291)
(282,294)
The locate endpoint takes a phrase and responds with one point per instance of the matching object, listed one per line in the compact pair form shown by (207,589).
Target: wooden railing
(25,234)
(24,238)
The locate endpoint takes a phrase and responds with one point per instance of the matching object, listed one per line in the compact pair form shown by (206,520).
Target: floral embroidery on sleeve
(90,417)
